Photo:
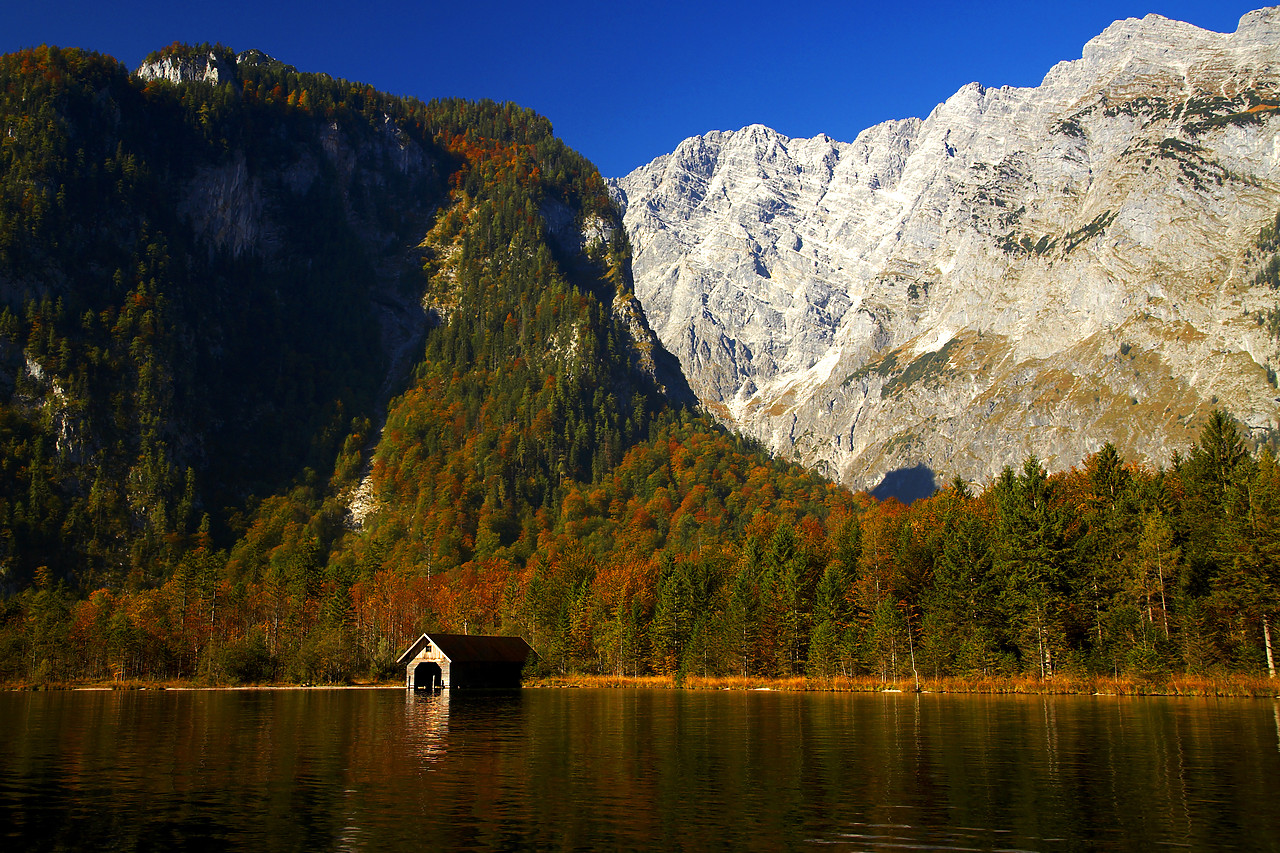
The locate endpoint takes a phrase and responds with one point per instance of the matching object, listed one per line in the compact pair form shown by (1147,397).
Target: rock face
(1034,270)
(207,67)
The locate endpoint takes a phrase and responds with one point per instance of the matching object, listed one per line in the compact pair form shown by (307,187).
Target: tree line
(1106,569)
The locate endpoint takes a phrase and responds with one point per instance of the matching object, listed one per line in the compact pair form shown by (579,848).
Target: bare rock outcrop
(1026,270)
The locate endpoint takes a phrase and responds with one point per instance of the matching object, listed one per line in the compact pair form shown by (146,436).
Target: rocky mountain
(1025,271)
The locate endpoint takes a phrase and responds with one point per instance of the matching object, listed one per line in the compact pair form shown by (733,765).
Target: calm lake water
(633,769)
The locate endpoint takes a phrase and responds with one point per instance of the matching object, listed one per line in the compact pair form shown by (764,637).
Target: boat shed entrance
(425,675)
(447,661)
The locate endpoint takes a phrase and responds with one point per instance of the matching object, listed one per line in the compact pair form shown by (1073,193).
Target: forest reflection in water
(655,769)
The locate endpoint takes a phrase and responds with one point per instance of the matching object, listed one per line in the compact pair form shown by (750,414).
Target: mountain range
(293,370)
(1025,271)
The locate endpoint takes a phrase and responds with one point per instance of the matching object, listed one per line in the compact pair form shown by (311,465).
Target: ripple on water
(634,769)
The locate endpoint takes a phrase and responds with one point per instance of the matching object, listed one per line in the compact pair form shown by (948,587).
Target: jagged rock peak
(1155,44)
(1261,26)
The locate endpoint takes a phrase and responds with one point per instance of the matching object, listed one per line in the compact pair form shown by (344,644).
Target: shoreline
(1239,687)
(183,686)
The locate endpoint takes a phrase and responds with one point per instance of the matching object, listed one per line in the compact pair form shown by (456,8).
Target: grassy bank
(188,684)
(1181,685)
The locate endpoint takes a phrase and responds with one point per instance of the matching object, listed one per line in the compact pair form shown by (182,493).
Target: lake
(633,769)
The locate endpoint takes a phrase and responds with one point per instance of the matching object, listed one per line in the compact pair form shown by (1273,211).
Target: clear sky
(624,82)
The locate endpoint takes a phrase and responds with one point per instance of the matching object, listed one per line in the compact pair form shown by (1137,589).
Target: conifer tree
(1031,553)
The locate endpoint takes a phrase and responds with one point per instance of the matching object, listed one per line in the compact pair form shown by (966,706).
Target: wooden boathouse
(446,661)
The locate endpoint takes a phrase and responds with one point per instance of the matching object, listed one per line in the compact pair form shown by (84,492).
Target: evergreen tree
(963,608)
(1031,553)
(1250,580)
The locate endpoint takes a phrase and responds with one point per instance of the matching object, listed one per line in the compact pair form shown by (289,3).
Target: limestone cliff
(1033,270)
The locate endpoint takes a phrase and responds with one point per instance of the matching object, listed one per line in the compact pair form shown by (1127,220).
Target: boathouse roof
(471,648)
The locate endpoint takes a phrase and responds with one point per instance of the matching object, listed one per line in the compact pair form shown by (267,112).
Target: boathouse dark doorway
(427,676)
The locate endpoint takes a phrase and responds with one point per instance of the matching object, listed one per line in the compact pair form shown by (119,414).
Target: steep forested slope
(212,271)
(190,277)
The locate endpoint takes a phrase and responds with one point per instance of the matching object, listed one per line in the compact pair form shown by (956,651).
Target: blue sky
(624,83)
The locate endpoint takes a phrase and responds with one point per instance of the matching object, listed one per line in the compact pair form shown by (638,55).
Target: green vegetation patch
(1197,170)
(929,368)
(901,443)
(1069,127)
(1017,244)
(1074,238)
(1152,108)
(1266,254)
(1269,319)
(1025,245)
(1266,247)
(883,368)
(1214,111)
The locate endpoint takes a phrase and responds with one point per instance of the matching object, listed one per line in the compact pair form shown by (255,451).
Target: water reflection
(580,769)
(427,724)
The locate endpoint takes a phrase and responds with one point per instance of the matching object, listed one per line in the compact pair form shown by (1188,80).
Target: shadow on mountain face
(907,484)
(671,376)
